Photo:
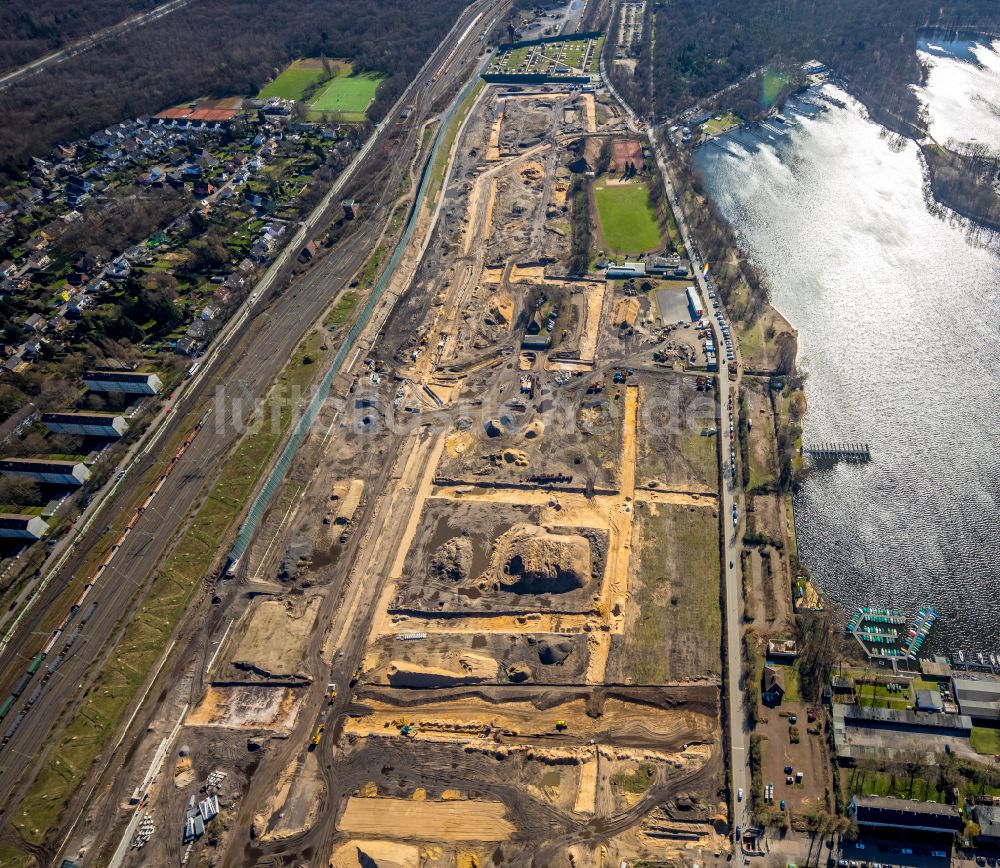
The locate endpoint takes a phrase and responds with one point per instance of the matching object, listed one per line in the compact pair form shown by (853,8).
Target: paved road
(729,497)
(257,342)
(87,42)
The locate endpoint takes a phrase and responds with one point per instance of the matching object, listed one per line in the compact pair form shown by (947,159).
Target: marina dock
(854,451)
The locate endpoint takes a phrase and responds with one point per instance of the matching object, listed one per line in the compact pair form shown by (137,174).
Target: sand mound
(515,457)
(494,428)
(551,653)
(501,310)
(531,560)
(471,669)
(531,172)
(453,560)
(534,430)
(518,673)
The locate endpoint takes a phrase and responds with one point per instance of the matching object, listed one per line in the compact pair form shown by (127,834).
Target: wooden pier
(855,451)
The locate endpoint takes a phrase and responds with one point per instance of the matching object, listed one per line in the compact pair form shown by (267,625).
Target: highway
(92,40)
(245,359)
(729,499)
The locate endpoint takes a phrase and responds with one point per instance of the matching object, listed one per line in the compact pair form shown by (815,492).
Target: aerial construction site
(480,624)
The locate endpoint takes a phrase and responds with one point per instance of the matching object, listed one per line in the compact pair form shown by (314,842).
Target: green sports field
(628,221)
(347,96)
(771,86)
(294,80)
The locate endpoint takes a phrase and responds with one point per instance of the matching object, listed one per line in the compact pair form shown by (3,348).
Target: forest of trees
(32,28)
(215,47)
(965,182)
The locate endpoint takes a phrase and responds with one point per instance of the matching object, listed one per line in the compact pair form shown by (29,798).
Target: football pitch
(347,96)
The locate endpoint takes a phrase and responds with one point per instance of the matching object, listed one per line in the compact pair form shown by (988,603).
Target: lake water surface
(898,315)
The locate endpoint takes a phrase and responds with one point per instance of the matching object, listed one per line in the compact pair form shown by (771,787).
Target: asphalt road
(260,342)
(729,497)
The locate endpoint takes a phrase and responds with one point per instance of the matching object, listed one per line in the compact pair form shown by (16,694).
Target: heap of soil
(453,560)
(533,560)
(551,653)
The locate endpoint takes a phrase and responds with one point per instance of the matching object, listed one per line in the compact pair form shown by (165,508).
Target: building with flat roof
(90,424)
(623,272)
(979,698)
(49,471)
(133,382)
(878,811)
(864,732)
(987,817)
(929,700)
(16,526)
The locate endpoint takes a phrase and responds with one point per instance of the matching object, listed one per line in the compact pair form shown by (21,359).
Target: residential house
(34,323)
(187,346)
(773,687)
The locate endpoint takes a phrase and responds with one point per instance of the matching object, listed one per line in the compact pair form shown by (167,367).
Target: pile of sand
(551,652)
(534,430)
(529,559)
(515,457)
(453,560)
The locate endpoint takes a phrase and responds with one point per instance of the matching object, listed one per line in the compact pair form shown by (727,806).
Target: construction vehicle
(317,736)
(561,726)
(331,693)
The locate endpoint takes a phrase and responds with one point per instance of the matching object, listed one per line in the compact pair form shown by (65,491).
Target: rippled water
(897,316)
(962,92)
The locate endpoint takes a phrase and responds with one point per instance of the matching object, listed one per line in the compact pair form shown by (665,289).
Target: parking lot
(807,757)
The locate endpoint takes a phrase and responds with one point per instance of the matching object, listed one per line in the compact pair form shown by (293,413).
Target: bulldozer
(561,726)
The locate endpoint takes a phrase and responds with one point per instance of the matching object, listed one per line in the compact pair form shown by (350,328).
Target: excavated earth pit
(495,557)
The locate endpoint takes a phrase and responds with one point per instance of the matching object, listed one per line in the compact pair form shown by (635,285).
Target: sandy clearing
(626,310)
(247,707)
(559,508)
(590,109)
(677,498)
(527,274)
(384,854)
(257,647)
(493,273)
(493,148)
(535,622)
(594,295)
(586,792)
(427,821)
(598,651)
